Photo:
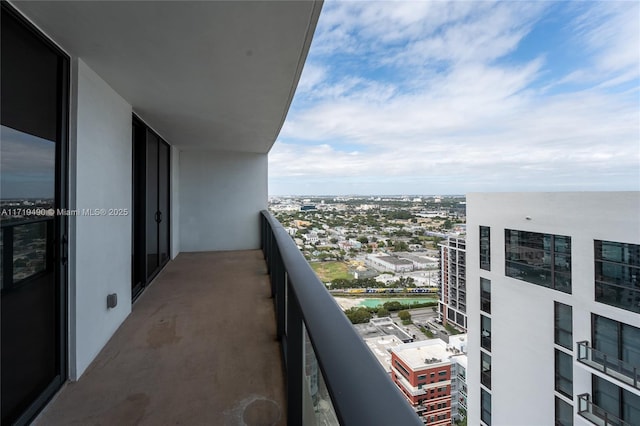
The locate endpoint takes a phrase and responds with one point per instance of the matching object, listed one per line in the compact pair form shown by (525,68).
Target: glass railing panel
(608,364)
(597,415)
(310,327)
(317,406)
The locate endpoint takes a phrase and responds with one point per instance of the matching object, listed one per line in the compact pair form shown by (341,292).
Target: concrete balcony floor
(199,348)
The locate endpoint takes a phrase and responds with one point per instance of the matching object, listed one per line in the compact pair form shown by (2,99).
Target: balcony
(214,341)
(597,415)
(609,365)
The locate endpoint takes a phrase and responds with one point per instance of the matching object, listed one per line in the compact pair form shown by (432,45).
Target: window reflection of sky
(27,165)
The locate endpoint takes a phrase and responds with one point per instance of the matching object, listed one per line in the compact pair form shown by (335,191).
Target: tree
(404,315)
(333,240)
(363,240)
(382,312)
(358,315)
(381,244)
(392,306)
(400,246)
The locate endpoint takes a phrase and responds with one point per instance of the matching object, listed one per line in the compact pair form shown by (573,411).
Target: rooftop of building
(394,260)
(423,354)
(416,257)
(381,346)
(388,327)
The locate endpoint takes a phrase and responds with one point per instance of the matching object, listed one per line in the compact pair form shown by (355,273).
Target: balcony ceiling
(214,75)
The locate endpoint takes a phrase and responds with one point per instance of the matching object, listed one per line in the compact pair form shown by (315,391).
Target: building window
(617,273)
(403,370)
(485,248)
(616,401)
(616,341)
(563,324)
(485,332)
(442,373)
(485,407)
(564,413)
(541,259)
(485,374)
(485,295)
(564,373)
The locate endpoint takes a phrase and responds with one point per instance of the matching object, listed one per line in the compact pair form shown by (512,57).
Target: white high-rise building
(453,283)
(553,308)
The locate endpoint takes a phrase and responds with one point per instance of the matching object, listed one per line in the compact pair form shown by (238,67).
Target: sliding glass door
(151,205)
(33,133)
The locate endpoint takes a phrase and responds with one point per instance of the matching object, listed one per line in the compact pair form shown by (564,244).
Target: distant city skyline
(27,166)
(457,97)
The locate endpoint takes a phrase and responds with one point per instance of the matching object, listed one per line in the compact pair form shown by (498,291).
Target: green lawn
(328,271)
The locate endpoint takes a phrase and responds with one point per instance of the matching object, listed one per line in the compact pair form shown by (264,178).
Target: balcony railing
(608,364)
(597,415)
(331,375)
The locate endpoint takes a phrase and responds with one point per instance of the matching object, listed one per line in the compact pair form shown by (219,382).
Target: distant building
(419,262)
(453,294)
(311,237)
(459,386)
(388,327)
(390,263)
(381,347)
(422,370)
(308,207)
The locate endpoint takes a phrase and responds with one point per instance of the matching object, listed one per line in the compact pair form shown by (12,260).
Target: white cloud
(453,115)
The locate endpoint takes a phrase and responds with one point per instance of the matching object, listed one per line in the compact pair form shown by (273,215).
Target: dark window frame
(559,405)
(485,373)
(485,340)
(485,412)
(549,250)
(612,290)
(558,326)
(622,348)
(485,248)
(485,295)
(560,376)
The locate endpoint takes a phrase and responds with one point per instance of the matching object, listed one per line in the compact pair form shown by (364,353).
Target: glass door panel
(152,215)
(34,78)
(163,202)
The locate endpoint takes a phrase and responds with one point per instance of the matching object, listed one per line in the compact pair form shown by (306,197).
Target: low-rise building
(390,263)
(381,347)
(388,327)
(422,370)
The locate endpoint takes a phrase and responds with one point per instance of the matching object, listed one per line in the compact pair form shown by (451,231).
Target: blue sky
(439,97)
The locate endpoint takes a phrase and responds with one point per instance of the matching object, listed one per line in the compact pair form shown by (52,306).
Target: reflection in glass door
(34,84)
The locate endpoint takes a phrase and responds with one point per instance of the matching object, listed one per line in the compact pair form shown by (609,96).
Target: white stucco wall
(220,197)
(101,175)
(522,313)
